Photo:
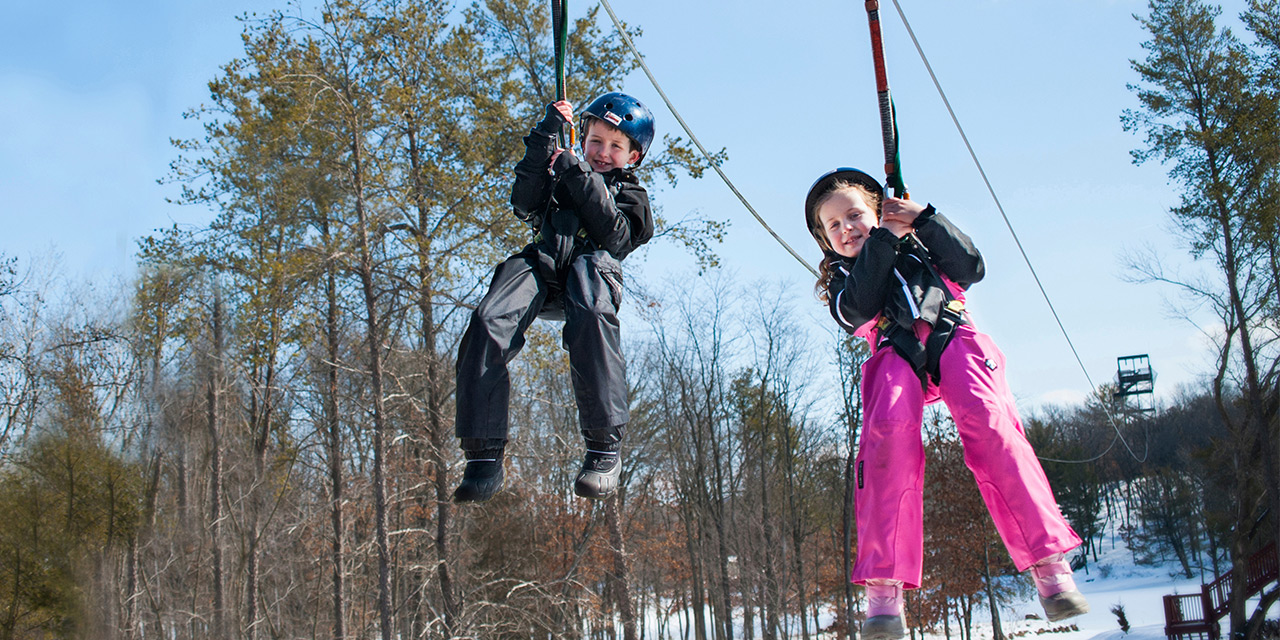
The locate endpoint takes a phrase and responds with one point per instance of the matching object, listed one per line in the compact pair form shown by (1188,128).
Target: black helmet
(825,184)
(624,112)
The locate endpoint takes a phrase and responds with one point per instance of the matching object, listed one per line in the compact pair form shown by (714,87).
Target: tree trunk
(698,604)
(438,432)
(797,532)
(260,416)
(337,550)
(846,521)
(213,394)
(621,575)
(724,608)
(771,601)
(373,329)
(996,631)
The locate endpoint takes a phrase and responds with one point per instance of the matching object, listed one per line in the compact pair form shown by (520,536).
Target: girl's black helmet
(624,112)
(825,184)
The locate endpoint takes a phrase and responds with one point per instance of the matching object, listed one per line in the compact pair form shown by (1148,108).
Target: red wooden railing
(1196,615)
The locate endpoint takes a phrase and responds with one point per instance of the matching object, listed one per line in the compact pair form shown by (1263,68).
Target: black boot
(482,477)
(601,468)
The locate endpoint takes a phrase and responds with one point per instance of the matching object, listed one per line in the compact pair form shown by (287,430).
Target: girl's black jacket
(900,277)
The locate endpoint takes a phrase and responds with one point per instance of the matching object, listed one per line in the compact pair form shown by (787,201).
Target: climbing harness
(560,38)
(895,330)
(888,119)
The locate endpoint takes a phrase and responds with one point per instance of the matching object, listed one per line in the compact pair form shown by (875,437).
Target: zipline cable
(1016,240)
(617,24)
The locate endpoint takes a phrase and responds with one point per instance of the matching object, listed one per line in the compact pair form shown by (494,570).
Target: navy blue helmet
(624,112)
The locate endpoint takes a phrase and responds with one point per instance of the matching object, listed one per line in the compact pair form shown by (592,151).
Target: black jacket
(900,277)
(612,208)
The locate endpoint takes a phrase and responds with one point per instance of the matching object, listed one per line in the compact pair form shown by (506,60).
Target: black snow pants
(524,286)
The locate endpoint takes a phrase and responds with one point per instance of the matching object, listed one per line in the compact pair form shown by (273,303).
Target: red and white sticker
(612,118)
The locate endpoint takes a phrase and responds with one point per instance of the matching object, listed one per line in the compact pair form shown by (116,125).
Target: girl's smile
(847,221)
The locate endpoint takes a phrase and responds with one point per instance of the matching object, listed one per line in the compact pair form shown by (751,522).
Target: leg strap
(951,317)
(904,342)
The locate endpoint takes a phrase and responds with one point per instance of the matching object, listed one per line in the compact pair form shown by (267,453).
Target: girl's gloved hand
(898,215)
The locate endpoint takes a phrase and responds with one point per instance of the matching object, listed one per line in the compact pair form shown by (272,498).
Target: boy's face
(847,221)
(607,148)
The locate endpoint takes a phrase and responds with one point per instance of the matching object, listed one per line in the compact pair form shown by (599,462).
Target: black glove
(567,162)
(553,121)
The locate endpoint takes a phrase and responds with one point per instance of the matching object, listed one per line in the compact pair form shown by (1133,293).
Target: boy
(587,214)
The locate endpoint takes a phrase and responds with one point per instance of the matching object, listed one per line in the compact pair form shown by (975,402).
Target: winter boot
(601,468)
(1058,593)
(884,611)
(482,477)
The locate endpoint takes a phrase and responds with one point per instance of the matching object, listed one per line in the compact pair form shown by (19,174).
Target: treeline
(255,438)
(142,500)
(1209,109)
(1159,484)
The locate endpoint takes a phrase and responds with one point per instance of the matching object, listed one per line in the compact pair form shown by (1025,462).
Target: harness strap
(904,342)
(951,317)
(925,358)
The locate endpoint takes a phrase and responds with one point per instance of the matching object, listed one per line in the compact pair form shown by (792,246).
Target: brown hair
(825,270)
(588,120)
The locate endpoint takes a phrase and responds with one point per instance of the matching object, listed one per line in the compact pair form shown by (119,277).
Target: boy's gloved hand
(559,114)
(564,160)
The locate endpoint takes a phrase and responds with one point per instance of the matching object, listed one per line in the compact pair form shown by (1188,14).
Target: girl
(895,272)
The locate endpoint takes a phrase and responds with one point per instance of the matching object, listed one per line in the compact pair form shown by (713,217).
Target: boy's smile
(847,221)
(607,148)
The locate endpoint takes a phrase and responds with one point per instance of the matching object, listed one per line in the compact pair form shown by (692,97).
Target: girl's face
(847,221)
(607,147)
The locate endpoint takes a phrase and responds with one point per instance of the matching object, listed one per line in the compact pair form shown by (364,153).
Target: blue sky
(93,92)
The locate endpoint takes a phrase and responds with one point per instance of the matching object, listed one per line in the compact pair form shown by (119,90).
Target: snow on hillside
(1113,580)
(1140,590)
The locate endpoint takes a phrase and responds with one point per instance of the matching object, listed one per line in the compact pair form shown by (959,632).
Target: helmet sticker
(612,118)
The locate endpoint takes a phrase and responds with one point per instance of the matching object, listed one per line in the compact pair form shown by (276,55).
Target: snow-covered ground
(1114,580)
(1140,590)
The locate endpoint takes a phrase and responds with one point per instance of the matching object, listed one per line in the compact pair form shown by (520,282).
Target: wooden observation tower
(1135,384)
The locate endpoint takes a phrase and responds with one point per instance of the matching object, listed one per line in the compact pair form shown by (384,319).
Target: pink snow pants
(890,463)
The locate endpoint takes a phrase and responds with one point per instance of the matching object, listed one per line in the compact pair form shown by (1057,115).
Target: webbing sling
(888,118)
(560,38)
